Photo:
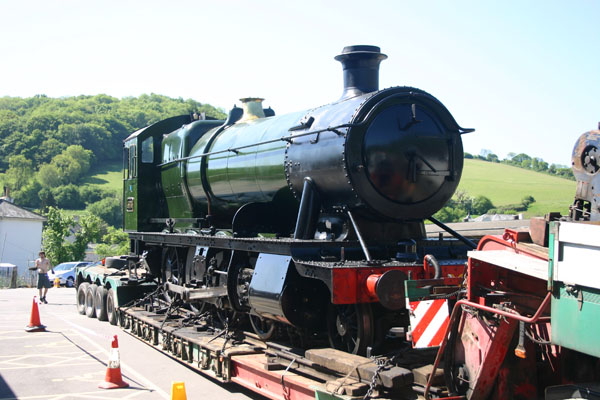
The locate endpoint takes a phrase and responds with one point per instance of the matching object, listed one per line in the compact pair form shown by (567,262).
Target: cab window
(148,150)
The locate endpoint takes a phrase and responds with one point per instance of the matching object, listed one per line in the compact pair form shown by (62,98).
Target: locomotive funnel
(361,69)
(252,107)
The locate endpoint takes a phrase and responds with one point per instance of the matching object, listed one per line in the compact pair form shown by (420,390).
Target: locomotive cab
(142,197)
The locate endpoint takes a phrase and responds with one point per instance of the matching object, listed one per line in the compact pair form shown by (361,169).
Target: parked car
(65,272)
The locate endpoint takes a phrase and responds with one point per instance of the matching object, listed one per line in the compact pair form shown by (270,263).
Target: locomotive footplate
(283,246)
(271,369)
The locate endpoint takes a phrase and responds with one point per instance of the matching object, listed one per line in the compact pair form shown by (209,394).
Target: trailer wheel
(81,292)
(90,294)
(100,303)
(111,308)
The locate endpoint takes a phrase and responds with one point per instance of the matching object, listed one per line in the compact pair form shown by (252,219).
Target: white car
(65,272)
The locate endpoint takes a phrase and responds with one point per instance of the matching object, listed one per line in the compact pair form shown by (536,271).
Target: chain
(381,363)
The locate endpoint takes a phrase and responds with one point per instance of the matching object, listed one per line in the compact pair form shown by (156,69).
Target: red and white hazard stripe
(428,321)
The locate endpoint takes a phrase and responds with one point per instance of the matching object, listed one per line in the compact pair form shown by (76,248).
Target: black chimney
(361,69)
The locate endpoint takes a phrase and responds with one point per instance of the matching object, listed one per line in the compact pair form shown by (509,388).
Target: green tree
(114,243)
(27,196)
(481,205)
(48,177)
(109,210)
(57,229)
(67,196)
(90,230)
(19,172)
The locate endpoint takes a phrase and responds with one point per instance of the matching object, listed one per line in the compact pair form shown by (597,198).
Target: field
(108,176)
(505,184)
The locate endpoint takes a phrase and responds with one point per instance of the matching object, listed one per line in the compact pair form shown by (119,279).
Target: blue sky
(524,74)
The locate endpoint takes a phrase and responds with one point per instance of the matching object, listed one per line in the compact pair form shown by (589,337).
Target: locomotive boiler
(311,220)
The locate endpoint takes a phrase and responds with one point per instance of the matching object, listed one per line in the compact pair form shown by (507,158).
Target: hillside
(505,184)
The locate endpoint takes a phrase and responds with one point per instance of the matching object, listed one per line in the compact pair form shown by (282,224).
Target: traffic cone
(113,378)
(178,391)
(34,321)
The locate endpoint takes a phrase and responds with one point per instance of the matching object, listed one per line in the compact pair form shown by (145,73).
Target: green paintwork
(175,146)
(144,148)
(253,174)
(552,237)
(573,327)
(104,277)
(413,292)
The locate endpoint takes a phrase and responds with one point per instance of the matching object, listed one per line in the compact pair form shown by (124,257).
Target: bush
(109,210)
(90,194)
(28,195)
(481,205)
(67,196)
(527,200)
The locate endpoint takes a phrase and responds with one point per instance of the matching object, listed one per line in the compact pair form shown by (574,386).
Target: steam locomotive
(310,221)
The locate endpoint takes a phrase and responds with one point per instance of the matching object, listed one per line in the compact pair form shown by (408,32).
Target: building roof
(9,210)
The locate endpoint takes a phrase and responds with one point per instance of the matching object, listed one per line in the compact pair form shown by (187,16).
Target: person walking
(42,265)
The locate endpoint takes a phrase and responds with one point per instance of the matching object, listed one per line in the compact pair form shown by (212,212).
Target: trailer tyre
(100,303)
(111,307)
(90,295)
(81,293)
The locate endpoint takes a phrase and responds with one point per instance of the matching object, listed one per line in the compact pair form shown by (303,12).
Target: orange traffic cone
(113,378)
(34,321)
(178,391)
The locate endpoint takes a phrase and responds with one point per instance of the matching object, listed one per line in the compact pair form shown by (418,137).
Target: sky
(524,74)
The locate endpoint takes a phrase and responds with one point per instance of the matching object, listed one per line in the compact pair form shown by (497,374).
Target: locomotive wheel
(263,327)
(172,266)
(350,327)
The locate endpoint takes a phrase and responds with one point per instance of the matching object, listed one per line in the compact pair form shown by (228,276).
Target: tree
(491,157)
(519,158)
(57,229)
(481,205)
(48,177)
(109,210)
(527,200)
(67,196)
(90,230)
(28,195)
(19,172)
(114,243)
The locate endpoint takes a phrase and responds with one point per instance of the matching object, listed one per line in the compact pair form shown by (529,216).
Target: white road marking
(138,376)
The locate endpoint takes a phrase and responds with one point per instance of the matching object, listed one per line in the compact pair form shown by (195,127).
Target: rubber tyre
(100,303)
(90,295)
(81,293)
(111,307)
(70,282)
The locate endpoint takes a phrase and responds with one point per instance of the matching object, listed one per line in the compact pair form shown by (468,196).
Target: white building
(20,236)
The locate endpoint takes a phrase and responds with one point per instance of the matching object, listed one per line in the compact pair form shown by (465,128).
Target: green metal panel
(413,292)
(575,318)
(254,173)
(554,226)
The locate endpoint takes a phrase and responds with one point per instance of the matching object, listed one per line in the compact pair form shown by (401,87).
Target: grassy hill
(501,183)
(108,176)
(505,184)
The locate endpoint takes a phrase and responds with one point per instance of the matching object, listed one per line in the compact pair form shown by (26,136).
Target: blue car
(65,272)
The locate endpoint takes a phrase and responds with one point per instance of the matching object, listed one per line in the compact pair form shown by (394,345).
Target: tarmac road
(69,360)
